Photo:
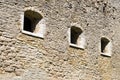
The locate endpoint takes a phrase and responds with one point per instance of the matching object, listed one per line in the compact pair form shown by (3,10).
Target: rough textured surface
(24,57)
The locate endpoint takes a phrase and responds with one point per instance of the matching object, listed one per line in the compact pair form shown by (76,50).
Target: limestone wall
(28,57)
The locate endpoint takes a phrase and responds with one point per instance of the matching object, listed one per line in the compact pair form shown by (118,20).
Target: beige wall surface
(49,56)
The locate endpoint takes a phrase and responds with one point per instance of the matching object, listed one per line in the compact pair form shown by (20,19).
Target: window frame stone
(82,39)
(107,49)
(42,25)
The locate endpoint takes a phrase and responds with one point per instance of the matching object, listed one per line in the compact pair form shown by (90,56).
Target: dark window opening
(27,24)
(31,19)
(104,43)
(75,33)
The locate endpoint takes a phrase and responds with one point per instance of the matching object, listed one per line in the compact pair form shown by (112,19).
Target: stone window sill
(33,34)
(106,54)
(76,46)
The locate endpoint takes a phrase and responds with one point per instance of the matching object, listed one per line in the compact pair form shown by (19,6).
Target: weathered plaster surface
(24,57)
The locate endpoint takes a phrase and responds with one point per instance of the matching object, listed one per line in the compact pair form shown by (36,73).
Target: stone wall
(24,57)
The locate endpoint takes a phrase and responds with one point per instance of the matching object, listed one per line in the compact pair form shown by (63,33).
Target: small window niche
(76,37)
(33,24)
(106,47)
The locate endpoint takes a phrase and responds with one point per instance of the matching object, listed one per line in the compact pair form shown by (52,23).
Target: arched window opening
(31,19)
(75,33)
(77,38)
(33,24)
(105,47)
(104,43)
